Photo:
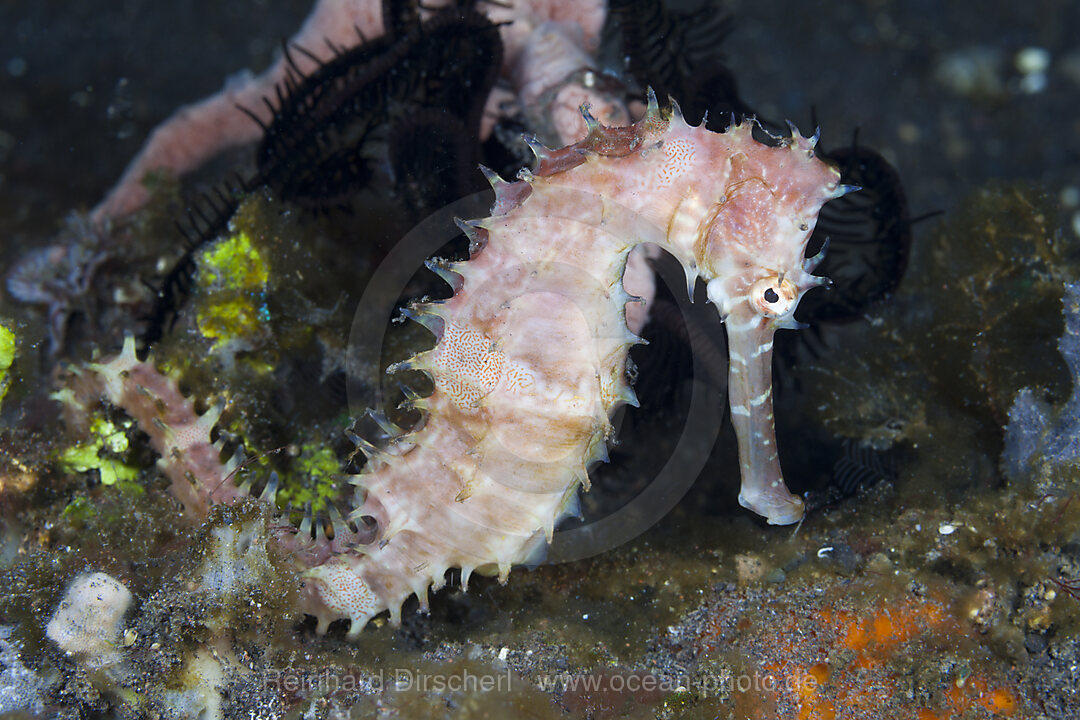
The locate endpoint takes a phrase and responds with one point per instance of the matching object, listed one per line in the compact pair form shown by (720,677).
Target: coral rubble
(86,623)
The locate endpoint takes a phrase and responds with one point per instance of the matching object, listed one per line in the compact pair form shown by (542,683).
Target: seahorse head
(753,251)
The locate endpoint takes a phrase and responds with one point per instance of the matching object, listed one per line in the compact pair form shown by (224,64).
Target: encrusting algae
(231,285)
(104,452)
(7,357)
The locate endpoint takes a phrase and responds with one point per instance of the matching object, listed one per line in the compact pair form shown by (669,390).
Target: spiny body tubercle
(531,352)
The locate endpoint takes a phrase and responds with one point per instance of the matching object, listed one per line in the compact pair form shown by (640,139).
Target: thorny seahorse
(531,353)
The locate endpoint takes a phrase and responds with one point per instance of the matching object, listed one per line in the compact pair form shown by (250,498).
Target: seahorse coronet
(531,352)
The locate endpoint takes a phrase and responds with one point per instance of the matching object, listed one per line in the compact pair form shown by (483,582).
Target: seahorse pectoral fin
(750,340)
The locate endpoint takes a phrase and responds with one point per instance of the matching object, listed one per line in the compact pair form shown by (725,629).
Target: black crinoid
(415,94)
(869,237)
(675,48)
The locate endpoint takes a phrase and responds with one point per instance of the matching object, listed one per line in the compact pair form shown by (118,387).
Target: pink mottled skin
(198,132)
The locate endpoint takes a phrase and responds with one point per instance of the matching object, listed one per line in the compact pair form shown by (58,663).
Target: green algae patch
(104,452)
(312,479)
(7,357)
(233,263)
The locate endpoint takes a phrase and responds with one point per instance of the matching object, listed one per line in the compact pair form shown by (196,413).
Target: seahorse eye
(772,296)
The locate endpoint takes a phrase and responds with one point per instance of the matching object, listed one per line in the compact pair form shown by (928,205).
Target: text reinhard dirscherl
(328,681)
